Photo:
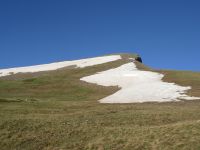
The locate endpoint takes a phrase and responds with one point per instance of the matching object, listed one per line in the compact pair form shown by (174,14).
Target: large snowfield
(54,66)
(138,86)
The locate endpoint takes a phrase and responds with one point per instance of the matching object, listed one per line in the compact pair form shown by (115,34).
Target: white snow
(138,86)
(54,66)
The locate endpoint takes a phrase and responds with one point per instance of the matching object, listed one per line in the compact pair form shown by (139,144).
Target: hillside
(54,109)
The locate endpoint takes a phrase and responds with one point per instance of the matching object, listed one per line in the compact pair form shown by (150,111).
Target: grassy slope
(57,111)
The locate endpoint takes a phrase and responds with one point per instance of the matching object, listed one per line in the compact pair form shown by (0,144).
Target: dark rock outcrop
(139,59)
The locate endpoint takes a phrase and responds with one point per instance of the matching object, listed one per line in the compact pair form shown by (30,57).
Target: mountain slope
(58,65)
(55,110)
(146,84)
(137,85)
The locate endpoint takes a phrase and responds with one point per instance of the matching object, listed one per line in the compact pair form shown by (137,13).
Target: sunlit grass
(57,111)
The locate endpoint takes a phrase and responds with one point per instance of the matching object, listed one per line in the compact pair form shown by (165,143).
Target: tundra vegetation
(55,110)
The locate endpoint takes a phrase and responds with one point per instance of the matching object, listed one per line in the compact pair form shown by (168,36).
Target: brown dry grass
(57,111)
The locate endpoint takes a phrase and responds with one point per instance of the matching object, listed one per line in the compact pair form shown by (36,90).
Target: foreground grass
(57,111)
(89,125)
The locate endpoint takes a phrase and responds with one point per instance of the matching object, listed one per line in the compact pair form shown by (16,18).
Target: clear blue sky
(166,33)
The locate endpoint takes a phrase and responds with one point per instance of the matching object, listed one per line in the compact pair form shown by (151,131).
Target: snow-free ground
(138,86)
(54,66)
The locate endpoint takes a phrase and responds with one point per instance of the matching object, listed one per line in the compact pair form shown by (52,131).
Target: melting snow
(53,66)
(138,86)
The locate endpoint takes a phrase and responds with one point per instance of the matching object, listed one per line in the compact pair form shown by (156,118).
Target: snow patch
(54,66)
(138,86)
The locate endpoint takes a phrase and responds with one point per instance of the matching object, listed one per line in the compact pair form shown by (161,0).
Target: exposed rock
(139,59)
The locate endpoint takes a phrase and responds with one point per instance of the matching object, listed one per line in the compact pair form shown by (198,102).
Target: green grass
(184,78)
(57,111)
